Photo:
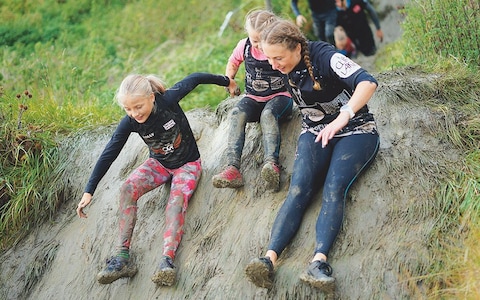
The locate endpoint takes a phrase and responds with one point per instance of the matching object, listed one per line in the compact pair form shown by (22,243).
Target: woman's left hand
(331,129)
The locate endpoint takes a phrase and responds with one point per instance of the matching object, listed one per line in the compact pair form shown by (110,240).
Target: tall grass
(436,30)
(444,36)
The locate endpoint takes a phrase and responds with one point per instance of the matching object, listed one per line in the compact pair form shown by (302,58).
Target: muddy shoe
(166,272)
(319,275)
(228,178)
(271,175)
(117,267)
(260,272)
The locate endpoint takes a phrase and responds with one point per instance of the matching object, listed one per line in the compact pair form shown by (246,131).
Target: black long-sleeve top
(166,132)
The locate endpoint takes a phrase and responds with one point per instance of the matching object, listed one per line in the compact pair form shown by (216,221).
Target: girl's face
(254,39)
(281,58)
(139,108)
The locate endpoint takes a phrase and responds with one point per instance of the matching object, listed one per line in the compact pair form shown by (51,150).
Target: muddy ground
(380,253)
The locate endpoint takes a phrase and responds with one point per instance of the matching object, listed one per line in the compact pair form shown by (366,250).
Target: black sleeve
(109,154)
(186,85)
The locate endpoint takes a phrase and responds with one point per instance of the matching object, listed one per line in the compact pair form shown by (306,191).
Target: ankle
(272,255)
(319,257)
(124,253)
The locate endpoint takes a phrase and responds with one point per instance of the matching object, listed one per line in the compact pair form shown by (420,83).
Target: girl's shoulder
(241,44)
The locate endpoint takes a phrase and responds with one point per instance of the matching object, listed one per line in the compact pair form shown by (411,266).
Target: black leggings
(334,167)
(269,114)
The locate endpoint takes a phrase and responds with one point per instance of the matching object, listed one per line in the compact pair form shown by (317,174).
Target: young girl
(155,114)
(338,141)
(266,101)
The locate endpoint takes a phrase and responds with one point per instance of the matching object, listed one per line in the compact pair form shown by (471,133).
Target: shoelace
(115,263)
(267,262)
(326,267)
(167,263)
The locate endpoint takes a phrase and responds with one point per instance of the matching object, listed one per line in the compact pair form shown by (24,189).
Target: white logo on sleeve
(343,66)
(169,124)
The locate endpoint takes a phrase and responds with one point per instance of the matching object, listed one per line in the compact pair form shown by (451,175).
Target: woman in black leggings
(337,142)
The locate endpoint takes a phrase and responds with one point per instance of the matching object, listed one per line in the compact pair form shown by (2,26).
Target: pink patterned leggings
(145,178)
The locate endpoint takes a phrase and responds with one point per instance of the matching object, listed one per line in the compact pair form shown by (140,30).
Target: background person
(324,17)
(352,17)
(343,43)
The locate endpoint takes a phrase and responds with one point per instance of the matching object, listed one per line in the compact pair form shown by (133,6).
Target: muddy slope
(381,247)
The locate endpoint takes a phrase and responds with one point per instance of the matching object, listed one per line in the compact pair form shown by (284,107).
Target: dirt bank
(382,244)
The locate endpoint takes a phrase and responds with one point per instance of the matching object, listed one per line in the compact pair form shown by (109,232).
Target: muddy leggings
(269,114)
(334,167)
(145,178)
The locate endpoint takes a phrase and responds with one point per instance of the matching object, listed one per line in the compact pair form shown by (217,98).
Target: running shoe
(319,275)
(117,267)
(260,272)
(228,178)
(166,272)
(271,175)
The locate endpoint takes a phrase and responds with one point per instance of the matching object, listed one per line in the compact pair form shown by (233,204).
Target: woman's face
(282,59)
(139,108)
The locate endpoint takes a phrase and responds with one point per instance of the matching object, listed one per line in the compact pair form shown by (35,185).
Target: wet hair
(287,34)
(257,19)
(139,86)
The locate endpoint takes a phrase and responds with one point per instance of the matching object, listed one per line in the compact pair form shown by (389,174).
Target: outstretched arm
(186,85)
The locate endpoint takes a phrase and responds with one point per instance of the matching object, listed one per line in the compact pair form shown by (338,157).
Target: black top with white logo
(166,132)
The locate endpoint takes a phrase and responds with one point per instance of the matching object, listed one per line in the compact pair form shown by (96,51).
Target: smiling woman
(337,143)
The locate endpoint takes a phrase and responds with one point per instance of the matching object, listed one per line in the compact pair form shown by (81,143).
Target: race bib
(343,66)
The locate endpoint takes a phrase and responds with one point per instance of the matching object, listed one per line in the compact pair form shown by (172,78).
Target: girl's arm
(235,59)
(186,85)
(109,154)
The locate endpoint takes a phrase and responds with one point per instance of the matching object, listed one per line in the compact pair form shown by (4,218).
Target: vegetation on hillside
(62,61)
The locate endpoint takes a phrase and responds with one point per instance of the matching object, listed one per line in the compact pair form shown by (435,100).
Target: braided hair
(256,20)
(286,33)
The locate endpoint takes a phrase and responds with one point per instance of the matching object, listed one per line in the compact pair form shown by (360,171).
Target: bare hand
(87,197)
(301,20)
(379,34)
(331,129)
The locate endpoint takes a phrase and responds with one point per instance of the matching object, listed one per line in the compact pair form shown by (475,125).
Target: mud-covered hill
(383,244)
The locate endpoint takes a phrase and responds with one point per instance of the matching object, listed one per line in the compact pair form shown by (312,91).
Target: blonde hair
(288,35)
(257,19)
(139,86)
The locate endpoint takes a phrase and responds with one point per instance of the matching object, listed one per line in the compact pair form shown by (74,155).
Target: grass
(71,56)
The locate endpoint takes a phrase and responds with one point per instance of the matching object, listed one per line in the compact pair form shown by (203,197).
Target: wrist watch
(348,109)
